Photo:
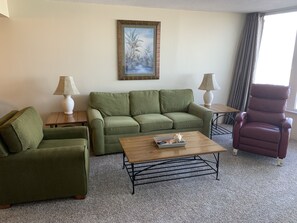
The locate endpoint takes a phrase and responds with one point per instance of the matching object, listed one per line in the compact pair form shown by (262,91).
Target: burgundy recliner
(263,128)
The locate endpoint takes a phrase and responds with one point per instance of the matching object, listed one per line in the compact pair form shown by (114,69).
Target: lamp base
(208,97)
(68,105)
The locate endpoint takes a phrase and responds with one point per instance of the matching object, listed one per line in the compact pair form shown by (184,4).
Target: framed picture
(138,50)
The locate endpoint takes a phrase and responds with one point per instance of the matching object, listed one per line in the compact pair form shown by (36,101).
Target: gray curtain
(246,61)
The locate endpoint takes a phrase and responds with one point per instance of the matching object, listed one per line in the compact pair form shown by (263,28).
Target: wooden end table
(220,110)
(60,119)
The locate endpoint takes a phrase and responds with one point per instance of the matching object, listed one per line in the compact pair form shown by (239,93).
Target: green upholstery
(115,125)
(110,104)
(8,116)
(3,149)
(63,143)
(153,122)
(23,131)
(184,120)
(144,102)
(175,100)
(5,118)
(151,112)
(57,168)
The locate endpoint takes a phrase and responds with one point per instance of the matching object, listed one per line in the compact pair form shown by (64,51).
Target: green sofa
(39,164)
(115,115)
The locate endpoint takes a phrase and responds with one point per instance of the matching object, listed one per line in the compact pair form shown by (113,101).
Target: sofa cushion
(5,118)
(182,120)
(153,122)
(60,143)
(110,104)
(175,100)
(115,125)
(144,102)
(22,131)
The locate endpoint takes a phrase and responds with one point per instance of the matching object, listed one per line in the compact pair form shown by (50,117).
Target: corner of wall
(4,8)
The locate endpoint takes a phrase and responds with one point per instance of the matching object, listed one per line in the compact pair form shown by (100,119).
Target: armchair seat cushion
(59,143)
(183,120)
(153,122)
(261,131)
(116,125)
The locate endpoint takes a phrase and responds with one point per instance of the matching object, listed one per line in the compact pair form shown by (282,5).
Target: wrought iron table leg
(133,177)
(123,160)
(217,165)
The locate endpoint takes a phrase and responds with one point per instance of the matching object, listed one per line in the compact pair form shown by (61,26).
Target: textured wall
(44,39)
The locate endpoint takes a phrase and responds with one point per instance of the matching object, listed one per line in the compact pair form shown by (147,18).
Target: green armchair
(40,164)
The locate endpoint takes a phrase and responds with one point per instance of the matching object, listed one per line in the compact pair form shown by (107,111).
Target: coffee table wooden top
(140,149)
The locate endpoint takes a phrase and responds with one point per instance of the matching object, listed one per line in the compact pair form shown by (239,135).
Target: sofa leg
(79,197)
(279,162)
(5,206)
(235,152)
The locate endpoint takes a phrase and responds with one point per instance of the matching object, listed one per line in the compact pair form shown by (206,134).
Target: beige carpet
(251,189)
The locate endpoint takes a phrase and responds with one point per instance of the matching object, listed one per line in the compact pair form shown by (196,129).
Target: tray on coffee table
(168,142)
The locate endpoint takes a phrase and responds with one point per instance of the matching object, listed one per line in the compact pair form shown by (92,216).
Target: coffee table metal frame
(170,169)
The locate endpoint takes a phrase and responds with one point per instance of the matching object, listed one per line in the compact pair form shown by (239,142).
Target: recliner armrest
(241,117)
(287,123)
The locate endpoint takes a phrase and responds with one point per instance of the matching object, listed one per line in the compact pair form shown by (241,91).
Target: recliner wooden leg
(80,197)
(5,206)
(235,152)
(279,162)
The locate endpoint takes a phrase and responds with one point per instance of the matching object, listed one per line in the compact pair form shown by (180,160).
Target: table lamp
(209,83)
(67,88)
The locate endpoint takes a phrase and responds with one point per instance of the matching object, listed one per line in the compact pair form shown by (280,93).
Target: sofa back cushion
(3,147)
(23,131)
(176,100)
(144,102)
(110,104)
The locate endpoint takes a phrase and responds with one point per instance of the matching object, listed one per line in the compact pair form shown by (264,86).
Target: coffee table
(146,163)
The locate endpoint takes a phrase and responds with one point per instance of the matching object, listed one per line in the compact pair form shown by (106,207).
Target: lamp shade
(209,83)
(66,86)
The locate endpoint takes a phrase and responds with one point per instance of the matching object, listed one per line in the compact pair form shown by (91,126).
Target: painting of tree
(139,44)
(138,50)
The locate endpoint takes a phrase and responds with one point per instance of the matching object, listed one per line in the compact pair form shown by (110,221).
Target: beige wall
(43,39)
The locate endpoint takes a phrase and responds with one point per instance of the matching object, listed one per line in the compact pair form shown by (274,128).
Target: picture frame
(138,46)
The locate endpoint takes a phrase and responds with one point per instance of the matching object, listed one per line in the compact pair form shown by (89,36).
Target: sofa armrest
(39,174)
(96,124)
(205,114)
(66,133)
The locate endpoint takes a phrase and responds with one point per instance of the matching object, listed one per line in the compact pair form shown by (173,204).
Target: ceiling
(237,6)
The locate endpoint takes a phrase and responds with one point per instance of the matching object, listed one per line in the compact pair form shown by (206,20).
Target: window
(277,62)
(277,49)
